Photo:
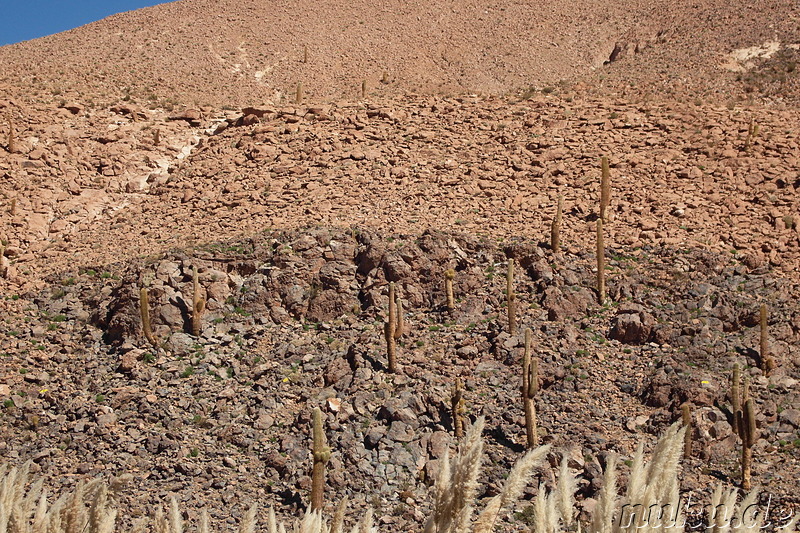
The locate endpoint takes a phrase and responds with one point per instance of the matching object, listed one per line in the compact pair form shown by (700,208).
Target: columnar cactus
(321,454)
(457,408)
(530,386)
(605,188)
(555,227)
(686,417)
(12,145)
(749,435)
(198,304)
(511,298)
(400,322)
(144,310)
(744,423)
(389,329)
(449,276)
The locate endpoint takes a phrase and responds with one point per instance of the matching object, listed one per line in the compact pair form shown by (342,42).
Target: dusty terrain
(168,139)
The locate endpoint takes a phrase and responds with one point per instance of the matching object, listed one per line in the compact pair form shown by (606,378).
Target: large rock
(632,325)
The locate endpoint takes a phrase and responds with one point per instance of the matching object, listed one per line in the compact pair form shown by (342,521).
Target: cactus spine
(555,227)
(321,454)
(601,264)
(144,310)
(511,298)
(198,304)
(530,386)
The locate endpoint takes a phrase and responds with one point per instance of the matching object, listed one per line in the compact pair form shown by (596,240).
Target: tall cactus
(605,188)
(749,435)
(144,311)
(389,328)
(12,145)
(321,454)
(457,408)
(686,418)
(400,321)
(511,298)
(555,227)
(530,386)
(198,304)
(766,361)
(449,276)
(744,424)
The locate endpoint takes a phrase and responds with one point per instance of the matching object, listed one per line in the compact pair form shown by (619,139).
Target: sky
(21,20)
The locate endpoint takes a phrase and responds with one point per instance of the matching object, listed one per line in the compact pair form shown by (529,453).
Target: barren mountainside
(237,53)
(204,204)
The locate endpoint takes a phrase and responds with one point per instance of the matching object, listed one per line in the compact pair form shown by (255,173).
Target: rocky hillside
(140,148)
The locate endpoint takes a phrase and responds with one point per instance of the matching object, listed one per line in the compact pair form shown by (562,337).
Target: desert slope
(240,52)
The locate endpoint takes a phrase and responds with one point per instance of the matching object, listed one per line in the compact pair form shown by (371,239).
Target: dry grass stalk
(198,304)
(449,276)
(605,188)
(457,485)
(555,226)
(511,298)
(530,386)
(601,264)
(767,362)
(652,488)
(512,489)
(144,310)
(321,454)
